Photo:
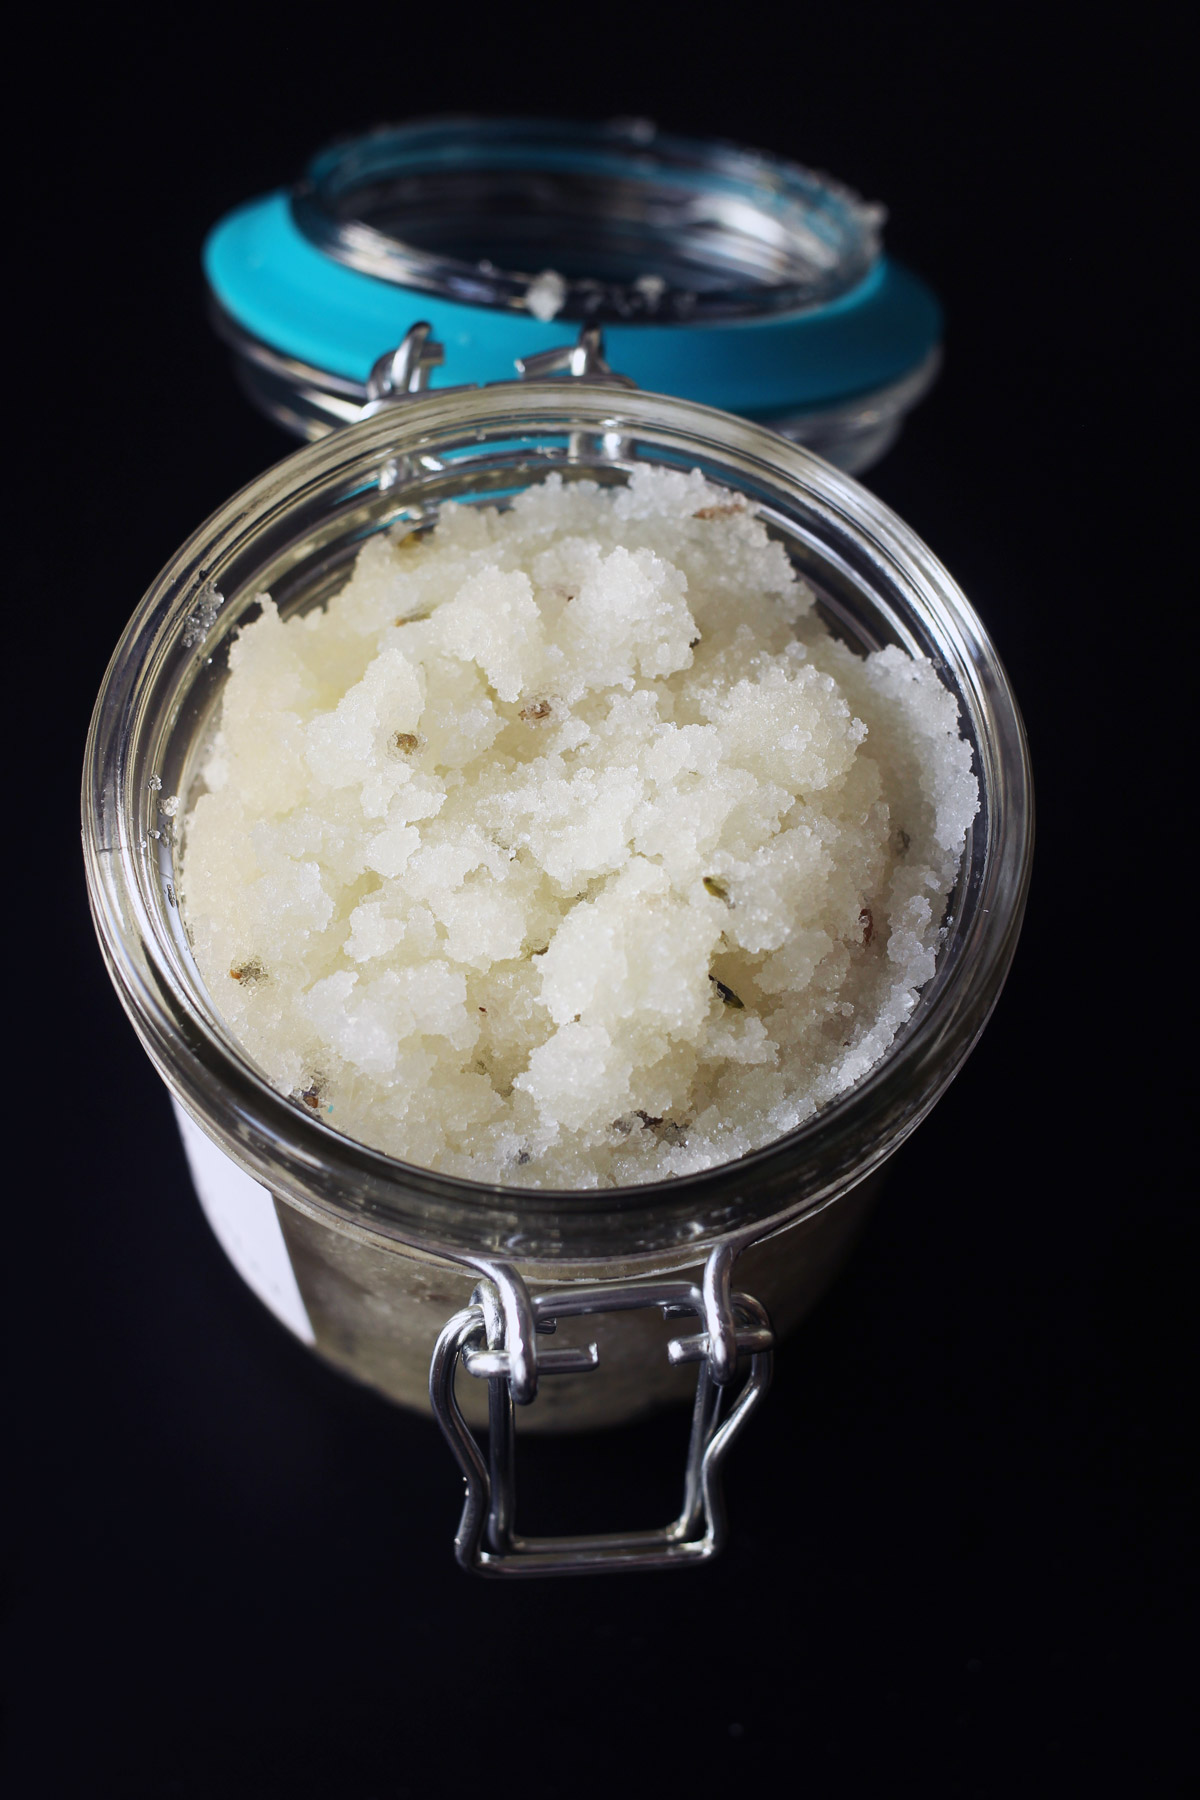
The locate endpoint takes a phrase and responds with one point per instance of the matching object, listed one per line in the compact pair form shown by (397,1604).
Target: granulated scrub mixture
(565,846)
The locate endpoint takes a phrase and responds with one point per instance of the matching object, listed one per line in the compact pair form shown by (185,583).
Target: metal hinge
(495,1339)
(404,372)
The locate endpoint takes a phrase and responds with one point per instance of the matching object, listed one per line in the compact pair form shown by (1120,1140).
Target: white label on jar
(242,1215)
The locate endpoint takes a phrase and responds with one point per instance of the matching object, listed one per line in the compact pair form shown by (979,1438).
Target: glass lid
(586,222)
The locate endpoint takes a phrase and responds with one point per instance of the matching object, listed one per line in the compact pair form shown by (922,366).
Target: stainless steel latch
(404,372)
(496,1340)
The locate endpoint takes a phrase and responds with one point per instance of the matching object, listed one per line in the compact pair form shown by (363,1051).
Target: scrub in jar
(565,846)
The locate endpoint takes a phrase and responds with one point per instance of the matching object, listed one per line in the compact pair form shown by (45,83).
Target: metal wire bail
(495,1339)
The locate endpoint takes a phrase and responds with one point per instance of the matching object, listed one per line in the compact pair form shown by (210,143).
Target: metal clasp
(404,372)
(495,1338)
(584,359)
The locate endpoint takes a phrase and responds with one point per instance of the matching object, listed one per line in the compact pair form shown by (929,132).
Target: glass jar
(724,275)
(388,1262)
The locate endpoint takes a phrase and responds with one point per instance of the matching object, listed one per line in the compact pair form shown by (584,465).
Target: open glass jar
(391,1263)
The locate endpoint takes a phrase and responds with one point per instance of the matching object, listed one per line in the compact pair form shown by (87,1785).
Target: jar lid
(720,275)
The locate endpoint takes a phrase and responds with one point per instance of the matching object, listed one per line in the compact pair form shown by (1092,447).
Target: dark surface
(959,1564)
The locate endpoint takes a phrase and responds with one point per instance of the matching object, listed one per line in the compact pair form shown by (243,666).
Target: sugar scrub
(565,846)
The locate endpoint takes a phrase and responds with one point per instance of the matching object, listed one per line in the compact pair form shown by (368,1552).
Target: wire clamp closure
(496,1340)
(584,360)
(403,373)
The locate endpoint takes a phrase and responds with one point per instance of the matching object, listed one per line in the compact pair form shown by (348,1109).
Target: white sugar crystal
(565,847)
(652,286)
(545,295)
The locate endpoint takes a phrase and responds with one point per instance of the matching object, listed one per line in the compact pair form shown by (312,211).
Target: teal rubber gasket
(284,291)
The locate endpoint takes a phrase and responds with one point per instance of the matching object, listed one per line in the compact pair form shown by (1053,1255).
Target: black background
(958,1565)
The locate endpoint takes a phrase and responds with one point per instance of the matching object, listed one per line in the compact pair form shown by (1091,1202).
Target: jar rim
(360,1188)
(637,225)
